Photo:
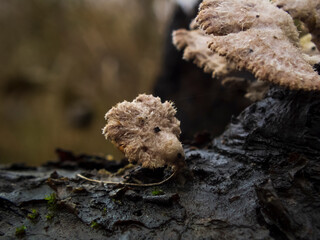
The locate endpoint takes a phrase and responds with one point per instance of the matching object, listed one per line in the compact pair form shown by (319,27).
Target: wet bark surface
(259,180)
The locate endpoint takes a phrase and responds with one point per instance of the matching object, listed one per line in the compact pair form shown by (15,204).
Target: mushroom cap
(146,131)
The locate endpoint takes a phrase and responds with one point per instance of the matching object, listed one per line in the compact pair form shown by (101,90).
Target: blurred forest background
(63,64)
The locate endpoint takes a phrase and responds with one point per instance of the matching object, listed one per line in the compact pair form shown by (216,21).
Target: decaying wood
(259,180)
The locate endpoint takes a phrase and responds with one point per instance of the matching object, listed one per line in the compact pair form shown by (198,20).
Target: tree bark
(259,180)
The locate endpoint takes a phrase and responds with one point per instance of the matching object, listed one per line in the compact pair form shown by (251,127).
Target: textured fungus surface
(147,131)
(254,35)
(260,37)
(308,11)
(195,45)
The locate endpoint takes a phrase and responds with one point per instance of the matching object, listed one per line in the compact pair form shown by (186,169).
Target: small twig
(129,184)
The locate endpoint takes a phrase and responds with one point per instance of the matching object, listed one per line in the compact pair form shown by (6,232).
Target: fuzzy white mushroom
(146,131)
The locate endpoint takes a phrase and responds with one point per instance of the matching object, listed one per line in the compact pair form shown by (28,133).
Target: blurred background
(64,64)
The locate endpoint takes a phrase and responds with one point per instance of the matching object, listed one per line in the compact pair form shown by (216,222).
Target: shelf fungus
(194,43)
(147,132)
(307,11)
(256,35)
